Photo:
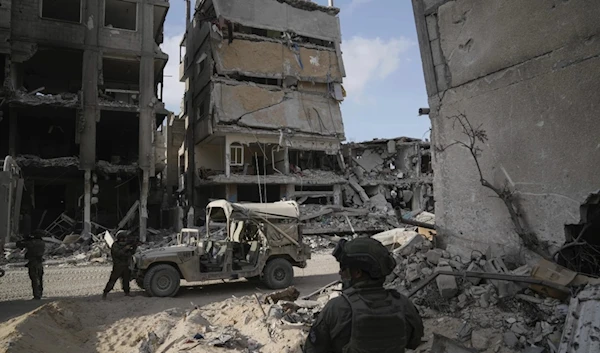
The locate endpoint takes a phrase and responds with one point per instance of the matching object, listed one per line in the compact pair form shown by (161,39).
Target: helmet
(366,254)
(121,235)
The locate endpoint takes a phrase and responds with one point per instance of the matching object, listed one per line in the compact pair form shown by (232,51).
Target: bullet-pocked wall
(528,73)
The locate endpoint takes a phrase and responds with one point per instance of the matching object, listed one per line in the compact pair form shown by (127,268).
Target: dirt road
(69,282)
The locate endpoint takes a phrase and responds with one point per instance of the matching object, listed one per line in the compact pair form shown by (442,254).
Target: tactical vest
(378,326)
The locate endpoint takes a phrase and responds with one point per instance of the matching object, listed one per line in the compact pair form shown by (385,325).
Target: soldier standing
(35,255)
(121,253)
(366,317)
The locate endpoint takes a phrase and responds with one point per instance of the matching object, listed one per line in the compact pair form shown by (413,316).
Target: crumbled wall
(273,109)
(528,74)
(276,60)
(391,168)
(280,16)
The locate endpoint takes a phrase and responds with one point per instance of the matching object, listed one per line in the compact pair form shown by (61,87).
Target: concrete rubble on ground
(244,324)
(73,250)
(490,315)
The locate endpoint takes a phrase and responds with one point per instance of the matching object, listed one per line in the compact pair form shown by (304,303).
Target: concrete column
(191,160)
(87,146)
(13,132)
(227,157)
(231,193)
(144,205)
(87,204)
(337,195)
(91,59)
(286,161)
(290,191)
(147,112)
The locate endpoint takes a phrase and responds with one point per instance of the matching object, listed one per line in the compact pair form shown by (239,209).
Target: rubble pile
(488,315)
(73,250)
(274,323)
(317,217)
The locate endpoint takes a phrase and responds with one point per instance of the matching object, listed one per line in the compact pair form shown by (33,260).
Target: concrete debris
(446,284)
(104,167)
(582,329)
(288,294)
(480,316)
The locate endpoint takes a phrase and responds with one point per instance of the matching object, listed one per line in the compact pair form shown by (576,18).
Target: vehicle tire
(278,274)
(140,282)
(162,281)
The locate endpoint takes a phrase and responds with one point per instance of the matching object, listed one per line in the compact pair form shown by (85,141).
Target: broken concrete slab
(399,239)
(581,333)
(359,189)
(369,160)
(283,16)
(443,344)
(434,256)
(510,339)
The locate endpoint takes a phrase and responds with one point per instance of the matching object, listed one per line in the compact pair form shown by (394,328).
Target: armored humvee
(262,242)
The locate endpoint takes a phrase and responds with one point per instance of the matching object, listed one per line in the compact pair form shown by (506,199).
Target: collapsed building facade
(534,96)
(263,82)
(81,106)
(399,169)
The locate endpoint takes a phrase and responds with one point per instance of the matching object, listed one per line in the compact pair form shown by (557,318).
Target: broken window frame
(137,12)
(201,64)
(200,111)
(236,153)
(60,19)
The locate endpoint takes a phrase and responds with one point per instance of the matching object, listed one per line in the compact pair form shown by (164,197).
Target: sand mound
(80,326)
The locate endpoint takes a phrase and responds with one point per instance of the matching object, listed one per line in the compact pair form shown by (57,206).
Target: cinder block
(447,285)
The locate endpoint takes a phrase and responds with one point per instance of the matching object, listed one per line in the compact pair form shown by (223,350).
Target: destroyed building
(81,103)
(534,95)
(399,169)
(262,103)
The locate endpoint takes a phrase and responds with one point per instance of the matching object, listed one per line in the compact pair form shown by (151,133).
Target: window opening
(237,155)
(64,10)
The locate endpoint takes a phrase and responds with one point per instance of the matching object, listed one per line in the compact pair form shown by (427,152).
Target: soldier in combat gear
(35,251)
(366,317)
(121,253)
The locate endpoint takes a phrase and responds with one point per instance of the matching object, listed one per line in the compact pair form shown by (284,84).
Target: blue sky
(384,77)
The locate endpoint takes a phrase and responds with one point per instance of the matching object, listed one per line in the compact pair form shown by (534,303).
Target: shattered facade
(263,82)
(534,95)
(81,103)
(399,169)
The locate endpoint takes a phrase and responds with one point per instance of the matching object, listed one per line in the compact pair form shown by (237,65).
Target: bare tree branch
(474,136)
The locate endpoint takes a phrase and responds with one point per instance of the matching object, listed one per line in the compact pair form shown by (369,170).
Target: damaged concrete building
(531,84)
(398,169)
(262,103)
(81,105)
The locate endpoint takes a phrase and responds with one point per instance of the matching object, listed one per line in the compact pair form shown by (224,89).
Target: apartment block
(81,105)
(262,103)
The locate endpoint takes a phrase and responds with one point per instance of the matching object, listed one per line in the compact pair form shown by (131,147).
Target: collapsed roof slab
(281,16)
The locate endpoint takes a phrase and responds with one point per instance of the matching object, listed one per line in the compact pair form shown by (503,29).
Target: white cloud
(173,91)
(367,60)
(356,3)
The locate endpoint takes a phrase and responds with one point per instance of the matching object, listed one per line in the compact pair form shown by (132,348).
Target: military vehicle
(261,242)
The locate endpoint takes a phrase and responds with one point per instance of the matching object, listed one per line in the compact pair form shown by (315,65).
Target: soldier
(366,317)
(121,253)
(35,252)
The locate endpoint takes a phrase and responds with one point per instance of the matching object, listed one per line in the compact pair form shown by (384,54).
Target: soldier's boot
(104,295)
(129,295)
